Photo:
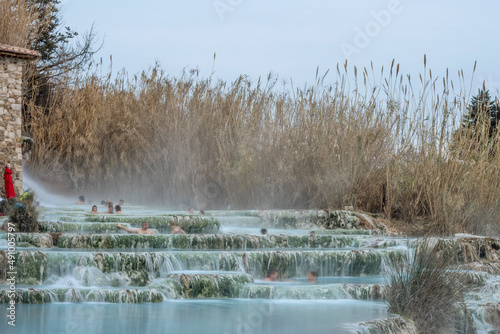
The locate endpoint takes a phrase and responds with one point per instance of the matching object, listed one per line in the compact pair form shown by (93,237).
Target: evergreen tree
(63,52)
(48,36)
(482,107)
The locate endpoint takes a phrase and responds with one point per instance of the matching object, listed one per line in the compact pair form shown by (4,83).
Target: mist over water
(51,199)
(46,197)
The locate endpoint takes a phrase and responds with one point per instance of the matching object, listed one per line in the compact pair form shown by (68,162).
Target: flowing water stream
(81,274)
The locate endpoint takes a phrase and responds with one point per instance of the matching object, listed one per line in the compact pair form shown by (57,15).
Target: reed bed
(428,288)
(381,145)
(22,23)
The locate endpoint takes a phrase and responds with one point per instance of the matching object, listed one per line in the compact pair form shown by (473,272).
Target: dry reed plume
(384,146)
(20,23)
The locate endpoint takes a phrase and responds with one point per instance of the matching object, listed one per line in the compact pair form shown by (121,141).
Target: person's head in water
(312,276)
(191,210)
(271,275)
(145,226)
(202,212)
(110,207)
(121,202)
(81,200)
(94,208)
(174,226)
(118,209)
(263,231)
(174,222)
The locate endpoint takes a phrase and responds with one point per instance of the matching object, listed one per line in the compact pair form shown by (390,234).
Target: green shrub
(7,205)
(426,287)
(22,212)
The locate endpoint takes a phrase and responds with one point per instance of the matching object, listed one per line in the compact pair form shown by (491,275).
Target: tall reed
(20,23)
(381,145)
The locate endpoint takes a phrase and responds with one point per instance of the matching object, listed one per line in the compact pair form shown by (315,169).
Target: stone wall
(11,70)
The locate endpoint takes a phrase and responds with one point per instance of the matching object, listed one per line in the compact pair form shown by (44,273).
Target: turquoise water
(196,316)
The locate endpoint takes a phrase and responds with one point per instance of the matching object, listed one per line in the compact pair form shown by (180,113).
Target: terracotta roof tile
(14,51)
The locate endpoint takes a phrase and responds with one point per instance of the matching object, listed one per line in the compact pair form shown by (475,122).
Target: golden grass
(20,23)
(383,147)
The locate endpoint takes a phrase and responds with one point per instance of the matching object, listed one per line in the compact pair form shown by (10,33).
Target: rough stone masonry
(12,61)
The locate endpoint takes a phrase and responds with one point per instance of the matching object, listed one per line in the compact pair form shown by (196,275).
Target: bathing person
(271,275)
(118,209)
(121,202)
(94,209)
(263,231)
(143,230)
(312,239)
(202,212)
(312,276)
(174,227)
(110,207)
(191,210)
(81,200)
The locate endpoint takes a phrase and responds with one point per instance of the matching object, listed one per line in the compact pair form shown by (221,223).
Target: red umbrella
(9,185)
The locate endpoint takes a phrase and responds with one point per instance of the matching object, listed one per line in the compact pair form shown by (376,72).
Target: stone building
(12,60)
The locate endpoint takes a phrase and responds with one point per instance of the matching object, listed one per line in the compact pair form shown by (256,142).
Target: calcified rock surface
(34,267)
(200,241)
(314,292)
(190,224)
(328,219)
(492,314)
(80,295)
(220,285)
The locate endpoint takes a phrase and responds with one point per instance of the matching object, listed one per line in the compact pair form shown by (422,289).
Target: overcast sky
(292,38)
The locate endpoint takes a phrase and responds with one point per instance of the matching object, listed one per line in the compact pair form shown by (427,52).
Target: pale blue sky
(291,38)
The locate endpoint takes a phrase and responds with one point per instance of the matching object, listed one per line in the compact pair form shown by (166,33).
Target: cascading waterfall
(36,266)
(105,240)
(78,258)
(313,291)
